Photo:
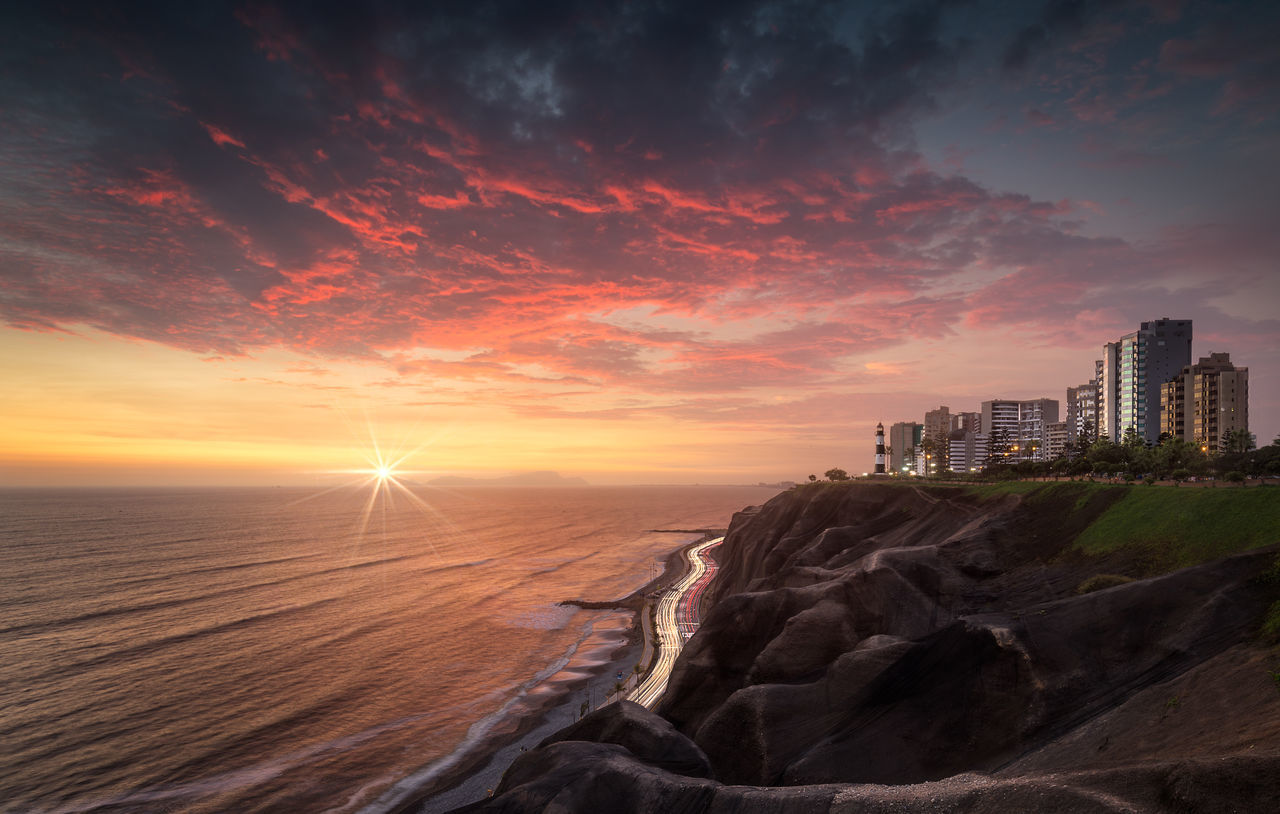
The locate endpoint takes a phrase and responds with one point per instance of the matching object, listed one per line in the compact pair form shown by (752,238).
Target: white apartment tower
(1017,429)
(1082,412)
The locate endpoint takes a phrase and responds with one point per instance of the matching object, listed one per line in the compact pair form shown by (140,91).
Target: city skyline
(269,243)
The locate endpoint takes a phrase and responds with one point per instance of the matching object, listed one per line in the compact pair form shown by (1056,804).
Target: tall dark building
(1133,371)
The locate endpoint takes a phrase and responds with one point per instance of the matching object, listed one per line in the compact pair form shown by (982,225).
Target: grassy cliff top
(1163,527)
(1189,525)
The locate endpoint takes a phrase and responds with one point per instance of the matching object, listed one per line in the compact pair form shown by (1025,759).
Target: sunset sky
(633,242)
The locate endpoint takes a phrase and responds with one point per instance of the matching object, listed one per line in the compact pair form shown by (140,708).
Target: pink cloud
(220,136)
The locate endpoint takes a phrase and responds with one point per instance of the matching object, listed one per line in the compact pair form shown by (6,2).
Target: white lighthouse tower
(879,448)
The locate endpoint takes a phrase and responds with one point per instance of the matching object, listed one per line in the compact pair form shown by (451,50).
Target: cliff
(885,647)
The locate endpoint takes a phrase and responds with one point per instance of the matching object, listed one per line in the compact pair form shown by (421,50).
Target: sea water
(297,650)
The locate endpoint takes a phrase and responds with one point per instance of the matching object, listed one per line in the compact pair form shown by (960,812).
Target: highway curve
(677,619)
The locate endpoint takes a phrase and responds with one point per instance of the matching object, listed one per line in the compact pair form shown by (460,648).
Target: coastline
(477,771)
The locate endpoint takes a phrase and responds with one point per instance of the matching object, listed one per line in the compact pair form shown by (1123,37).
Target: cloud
(476,194)
(1058,19)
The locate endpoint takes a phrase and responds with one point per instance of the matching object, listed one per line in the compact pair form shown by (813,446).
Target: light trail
(677,619)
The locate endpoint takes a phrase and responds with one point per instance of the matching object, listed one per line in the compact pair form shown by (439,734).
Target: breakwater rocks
(882,647)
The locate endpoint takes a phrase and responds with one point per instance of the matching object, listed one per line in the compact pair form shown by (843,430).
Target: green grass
(1171,527)
(1193,525)
(1039,492)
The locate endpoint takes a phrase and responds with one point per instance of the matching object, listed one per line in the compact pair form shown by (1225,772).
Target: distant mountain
(544,478)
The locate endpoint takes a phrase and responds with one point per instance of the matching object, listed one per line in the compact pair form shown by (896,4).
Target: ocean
(289,649)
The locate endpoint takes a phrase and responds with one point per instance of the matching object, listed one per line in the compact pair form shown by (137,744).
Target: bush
(1234,476)
(1271,624)
(1099,581)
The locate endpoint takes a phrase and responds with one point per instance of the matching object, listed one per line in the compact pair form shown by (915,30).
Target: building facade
(966,421)
(937,429)
(1056,436)
(967,451)
(1132,373)
(937,424)
(904,445)
(1205,402)
(1082,413)
(1016,430)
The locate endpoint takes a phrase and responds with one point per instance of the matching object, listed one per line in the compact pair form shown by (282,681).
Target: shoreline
(479,770)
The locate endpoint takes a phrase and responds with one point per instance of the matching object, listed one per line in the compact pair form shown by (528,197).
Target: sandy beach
(615,647)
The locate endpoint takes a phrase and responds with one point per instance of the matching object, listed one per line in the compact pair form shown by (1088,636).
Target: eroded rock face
(879,634)
(646,736)
(579,776)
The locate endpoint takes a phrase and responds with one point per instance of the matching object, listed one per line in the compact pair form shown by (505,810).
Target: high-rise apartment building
(1000,424)
(1055,440)
(937,424)
(1082,412)
(904,443)
(1132,372)
(966,421)
(967,451)
(1016,429)
(1034,418)
(937,428)
(1206,402)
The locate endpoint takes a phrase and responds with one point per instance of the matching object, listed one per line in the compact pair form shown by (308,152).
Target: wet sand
(614,647)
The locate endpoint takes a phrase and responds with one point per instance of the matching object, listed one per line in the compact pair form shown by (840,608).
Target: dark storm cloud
(1058,20)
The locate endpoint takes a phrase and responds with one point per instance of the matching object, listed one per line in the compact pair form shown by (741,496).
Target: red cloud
(220,136)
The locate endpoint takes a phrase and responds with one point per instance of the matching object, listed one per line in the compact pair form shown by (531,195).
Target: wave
(412,785)
(110,613)
(238,779)
(137,651)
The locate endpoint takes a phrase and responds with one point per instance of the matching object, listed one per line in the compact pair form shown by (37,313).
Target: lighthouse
(879,448)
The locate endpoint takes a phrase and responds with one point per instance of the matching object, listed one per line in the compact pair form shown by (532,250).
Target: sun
(384,473)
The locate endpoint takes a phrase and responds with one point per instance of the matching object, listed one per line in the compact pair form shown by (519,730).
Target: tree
(1088,434)
(908,457)
(812,478)
(935,456)
(1175,454)
(1238,441)
(836,474)
(997,447)
(1131,438)
(1179,475)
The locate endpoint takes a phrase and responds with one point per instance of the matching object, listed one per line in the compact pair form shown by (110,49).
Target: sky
(632,242)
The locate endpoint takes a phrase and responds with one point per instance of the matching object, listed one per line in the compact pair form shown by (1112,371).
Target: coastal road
(678,617)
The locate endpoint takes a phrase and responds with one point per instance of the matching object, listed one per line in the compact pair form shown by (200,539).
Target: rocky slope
(877,647)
